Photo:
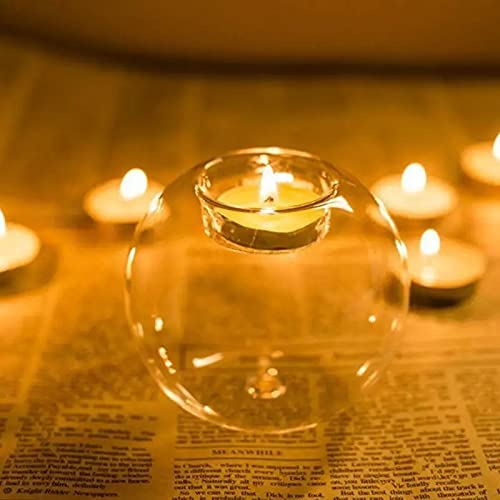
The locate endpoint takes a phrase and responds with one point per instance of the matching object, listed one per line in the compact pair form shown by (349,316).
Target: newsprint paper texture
(81,418)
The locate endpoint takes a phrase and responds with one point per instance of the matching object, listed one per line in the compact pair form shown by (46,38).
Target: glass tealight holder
(267,290)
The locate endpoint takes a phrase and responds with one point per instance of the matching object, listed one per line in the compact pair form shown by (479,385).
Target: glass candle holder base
(266,290)
(266,384)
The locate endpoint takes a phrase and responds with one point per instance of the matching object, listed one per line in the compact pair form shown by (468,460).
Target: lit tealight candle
(122,201)
(275,191)
(18,245)
(481,162)
(414,195)
(443,270)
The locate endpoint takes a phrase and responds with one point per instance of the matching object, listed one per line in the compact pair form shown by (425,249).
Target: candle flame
(268,186)
(430,243)
(263,160)
(133,184)
(3,226)
(496,147)
(414,178)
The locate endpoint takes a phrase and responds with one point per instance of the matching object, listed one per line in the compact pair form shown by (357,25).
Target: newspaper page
(81,418)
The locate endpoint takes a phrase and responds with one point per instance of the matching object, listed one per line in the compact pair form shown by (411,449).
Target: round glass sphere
(267,290)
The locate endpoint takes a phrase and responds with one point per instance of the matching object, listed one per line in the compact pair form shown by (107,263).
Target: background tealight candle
(19,245)
(443,270)
(414,196)
(481,162)
(122,201)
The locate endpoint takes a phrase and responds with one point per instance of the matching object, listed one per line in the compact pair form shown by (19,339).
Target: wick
(269,199)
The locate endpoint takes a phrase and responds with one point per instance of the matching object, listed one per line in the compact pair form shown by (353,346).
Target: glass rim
(274,151)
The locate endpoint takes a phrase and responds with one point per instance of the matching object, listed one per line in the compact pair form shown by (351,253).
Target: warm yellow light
(158,324)
(496,147)
(133,184)
(208,360)
(430,243)
(3,226)
(414,178)
(263,160)
(155,204)
(268,186)
(362,369)
(284,177)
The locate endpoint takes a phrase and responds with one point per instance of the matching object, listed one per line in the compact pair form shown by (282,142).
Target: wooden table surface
(68,123)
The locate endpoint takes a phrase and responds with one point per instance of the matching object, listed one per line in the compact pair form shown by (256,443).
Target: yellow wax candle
(481,162)
(122,201)
(444,269)
(414,195)
(269,197)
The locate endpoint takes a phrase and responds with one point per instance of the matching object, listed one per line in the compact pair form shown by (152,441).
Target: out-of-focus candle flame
(414,178)
(430,243)
(496,147)
(268,186)
(133,184)
(3,226)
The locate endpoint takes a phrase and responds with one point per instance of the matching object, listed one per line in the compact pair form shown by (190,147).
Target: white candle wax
(122,201)
(414,196)
(269,197)
(445,269)
(18,245)
(481,162)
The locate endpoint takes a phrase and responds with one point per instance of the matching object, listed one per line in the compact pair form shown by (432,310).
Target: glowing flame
(3,226)
(268,186)
(155,204)
(430,243)
(133,184)
(496,147)
(414,178)
(263,160)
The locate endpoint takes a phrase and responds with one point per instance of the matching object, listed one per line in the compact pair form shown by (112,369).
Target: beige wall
(357,31)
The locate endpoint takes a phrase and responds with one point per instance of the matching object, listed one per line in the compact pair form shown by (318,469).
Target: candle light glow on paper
(122,201)
(481,162)
(414,195)
(18,245)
